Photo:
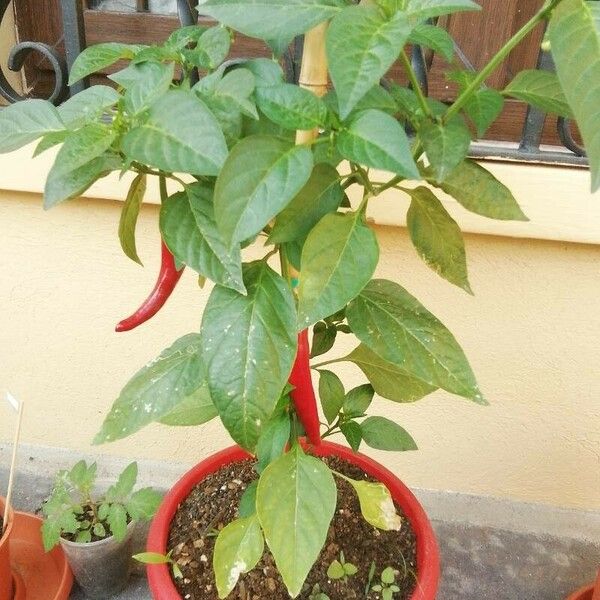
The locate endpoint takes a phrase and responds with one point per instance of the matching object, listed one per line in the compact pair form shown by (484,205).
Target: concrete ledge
(447,506)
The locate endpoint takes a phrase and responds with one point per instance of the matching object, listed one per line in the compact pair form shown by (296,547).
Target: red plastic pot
(428,558)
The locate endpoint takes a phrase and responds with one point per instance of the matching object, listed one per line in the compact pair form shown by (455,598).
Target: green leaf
(23,122)
(375,139)
(83,537)
(540,89)
(129,217)
(376,505)
(152,80)
(388,576)
(401,330)
(233,90)
(184,36)
(87,105)
(271,443)
(575,42)
(480,192)
(187,223)
(321,195)
(50,140)
(124,485)
(323,339)
(117,521)
(260,177)
(247,506)
(249,345)
(155,390)
(270,19)
(383,434)
(437,237)
(296,523)
(99,57)
(331,392)
(446,146)
(433,37)
(266,71)
(152,558)
(427,9)
(338,259)
(352,433)
(362,44)
(335,570)
(195,409)
(388,380)
(63,185)
(143,504)
(99,530)
(483,108)
(358,400)
(211,49)
(291,106)
(51,531)
(350,569)
(180,134)
(82,476)
(238,549)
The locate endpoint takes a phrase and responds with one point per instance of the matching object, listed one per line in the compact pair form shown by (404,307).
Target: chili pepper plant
(258,160)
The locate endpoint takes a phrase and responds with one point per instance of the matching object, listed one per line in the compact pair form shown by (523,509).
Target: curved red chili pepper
(167,280)
(303,394)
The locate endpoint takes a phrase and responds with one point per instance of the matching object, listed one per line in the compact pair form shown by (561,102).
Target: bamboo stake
(313,77)
(18,406)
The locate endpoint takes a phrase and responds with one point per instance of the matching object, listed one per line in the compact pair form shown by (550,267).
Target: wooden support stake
(13,462)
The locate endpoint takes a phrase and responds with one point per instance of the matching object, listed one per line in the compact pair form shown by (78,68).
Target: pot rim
(99,543)
(428,557)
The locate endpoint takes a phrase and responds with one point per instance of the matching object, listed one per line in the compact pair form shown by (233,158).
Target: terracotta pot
(37,575)
(428,558)
(6,582)
(587,592)
(101,568)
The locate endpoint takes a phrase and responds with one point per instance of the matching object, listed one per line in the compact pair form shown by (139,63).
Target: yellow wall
(532,334)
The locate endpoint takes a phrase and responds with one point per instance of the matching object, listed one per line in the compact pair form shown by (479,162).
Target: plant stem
(499,58)
(415,85)
(326,362)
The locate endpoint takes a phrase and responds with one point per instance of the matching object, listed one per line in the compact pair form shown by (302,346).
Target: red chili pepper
(303,394)
(167,280)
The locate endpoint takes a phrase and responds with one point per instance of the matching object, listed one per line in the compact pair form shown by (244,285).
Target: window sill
(556,199)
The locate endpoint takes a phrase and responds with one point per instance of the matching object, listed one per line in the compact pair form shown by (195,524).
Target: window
(478,36)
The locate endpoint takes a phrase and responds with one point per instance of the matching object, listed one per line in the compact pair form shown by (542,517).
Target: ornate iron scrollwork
(17,57)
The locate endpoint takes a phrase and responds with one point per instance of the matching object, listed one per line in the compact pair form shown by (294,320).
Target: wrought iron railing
(529,149)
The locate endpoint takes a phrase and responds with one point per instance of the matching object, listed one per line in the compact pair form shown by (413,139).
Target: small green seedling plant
(340,569)
(155,558)
(387,586)
(223,135)
(74,513)
(317,594)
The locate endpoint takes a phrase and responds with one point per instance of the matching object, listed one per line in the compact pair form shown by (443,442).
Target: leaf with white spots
(238,549)
(399,329)
(154,391)
(296,522)
(248,346)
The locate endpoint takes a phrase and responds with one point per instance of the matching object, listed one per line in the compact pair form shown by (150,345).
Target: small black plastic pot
(101,568)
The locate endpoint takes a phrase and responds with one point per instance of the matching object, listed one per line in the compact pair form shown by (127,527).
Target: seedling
(74,513)
(155,558)
(340,569)
(387,587)
(317,594)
